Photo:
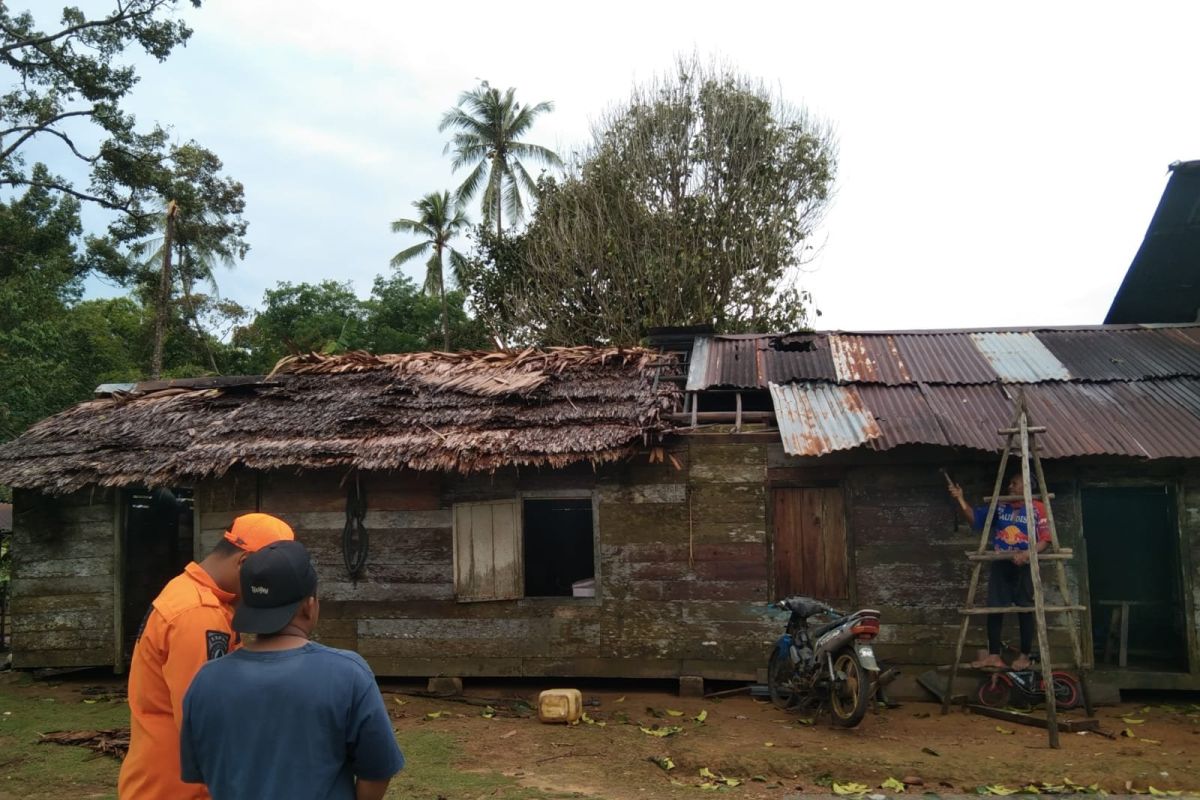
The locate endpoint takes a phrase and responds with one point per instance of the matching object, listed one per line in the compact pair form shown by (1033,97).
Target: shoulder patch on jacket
(217,643)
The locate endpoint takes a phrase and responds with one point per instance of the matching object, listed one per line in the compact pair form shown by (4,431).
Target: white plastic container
(584,588)
(560,705)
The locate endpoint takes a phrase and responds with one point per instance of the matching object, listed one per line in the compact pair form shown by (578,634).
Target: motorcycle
(833,662)
(1025,687)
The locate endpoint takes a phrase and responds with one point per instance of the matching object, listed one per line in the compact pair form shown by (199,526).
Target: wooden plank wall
(682,571)
(62,579)
(909,545)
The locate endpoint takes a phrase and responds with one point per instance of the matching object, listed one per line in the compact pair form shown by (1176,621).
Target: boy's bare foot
(1022,662)
(989,661)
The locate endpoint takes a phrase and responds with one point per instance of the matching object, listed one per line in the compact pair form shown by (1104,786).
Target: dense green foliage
(692,205)
(69,81)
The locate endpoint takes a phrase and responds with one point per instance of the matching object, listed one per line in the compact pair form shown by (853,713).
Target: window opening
(559,547)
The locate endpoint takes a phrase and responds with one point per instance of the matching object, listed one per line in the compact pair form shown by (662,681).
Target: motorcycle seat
(823,629)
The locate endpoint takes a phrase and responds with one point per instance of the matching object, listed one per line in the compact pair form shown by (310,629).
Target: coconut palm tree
(488,126)
(439,220)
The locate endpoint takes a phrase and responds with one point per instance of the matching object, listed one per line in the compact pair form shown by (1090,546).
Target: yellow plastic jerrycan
(560,705)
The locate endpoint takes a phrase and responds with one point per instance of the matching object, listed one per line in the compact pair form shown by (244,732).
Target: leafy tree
(302,318)
(403,319)
(439,220)
(692,204)
(488,126)
(69,84)
(202,226)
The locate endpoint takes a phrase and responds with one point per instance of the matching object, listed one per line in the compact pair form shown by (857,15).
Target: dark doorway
(1132,542)
(559,546)
(158,545)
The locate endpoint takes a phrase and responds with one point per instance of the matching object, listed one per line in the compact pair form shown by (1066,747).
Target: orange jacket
(188,624)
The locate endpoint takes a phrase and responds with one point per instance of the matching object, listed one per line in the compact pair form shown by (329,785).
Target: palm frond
(470,184)
(433,276)
(513,204)
(522,177)
(458,268)
(413,226)
(535,152)
(408,254)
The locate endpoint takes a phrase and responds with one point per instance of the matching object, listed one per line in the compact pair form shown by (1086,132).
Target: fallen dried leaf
(893,785)
(664,762)
(400,702)
(703,715)
(665,730)
(850,788)
(930,751)
(674,713)
(1005,731)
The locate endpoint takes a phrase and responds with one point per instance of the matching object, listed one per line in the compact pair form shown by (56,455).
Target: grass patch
(33,771)
(434,770)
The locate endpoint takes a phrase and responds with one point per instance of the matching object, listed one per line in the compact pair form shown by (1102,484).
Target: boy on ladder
(1010,582)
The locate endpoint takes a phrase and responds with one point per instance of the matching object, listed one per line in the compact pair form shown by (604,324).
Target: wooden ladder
(1025,435)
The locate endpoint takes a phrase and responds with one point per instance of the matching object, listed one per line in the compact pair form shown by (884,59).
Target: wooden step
(1062,555)
(1017,609)
(1013,498)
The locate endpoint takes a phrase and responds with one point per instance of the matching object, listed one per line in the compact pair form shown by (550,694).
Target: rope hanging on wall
(356,542)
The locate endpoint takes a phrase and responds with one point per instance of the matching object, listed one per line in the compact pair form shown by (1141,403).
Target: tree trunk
(498,171)
(164,294)
(442,293)
(185,277)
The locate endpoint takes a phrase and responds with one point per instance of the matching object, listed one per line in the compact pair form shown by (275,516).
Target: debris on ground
(113,742)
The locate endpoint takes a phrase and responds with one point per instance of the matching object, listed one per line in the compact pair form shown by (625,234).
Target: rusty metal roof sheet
(868,359)
(753,361)
(1125,354)
(903,416)
(943,358)
(819,418)
(1019,357)
(1146,419)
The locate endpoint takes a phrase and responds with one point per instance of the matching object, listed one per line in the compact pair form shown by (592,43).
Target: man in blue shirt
(284,717)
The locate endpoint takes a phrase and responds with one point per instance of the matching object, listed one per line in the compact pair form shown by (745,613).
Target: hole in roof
(793,343)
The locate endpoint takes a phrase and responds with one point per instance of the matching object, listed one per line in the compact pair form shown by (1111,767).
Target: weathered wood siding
(62,579)
(681,576)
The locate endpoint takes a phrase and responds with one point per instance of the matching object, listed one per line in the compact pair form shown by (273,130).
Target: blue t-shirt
(298,723)
(1010,527)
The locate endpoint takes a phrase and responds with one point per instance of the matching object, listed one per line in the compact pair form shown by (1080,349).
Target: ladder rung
(1031,429)
(1063,555)
(1012,498)
(1017,609)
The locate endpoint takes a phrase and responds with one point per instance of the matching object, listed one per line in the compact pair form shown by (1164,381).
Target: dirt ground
(738,745)
(774,754)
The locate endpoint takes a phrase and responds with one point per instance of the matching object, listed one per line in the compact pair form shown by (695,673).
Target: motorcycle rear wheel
(849,696)
(1067,692)
(779,681)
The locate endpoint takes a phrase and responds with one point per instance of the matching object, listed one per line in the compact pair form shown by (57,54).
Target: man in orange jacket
(188,624)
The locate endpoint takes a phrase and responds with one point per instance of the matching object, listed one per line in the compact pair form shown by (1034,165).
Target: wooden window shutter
(487,551)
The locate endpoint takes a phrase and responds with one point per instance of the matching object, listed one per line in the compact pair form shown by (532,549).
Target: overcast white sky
(999,161)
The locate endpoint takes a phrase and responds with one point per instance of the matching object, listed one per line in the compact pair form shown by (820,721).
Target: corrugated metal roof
(944,358)
(1020,357)
(1099,353)
(1126,354)
(1147,419)
(903,416)
(819,418)
(752,362)
(867,359)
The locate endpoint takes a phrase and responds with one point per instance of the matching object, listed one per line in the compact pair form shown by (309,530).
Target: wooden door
(487,551)
(809,552)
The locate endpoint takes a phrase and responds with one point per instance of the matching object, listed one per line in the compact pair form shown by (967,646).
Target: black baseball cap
(276,579)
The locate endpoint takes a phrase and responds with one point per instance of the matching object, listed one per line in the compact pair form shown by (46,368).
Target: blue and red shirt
(1010,527)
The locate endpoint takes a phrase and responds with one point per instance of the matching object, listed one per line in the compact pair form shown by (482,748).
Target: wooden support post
(1060,573)
(737,425)
(118,593)
(1039,599)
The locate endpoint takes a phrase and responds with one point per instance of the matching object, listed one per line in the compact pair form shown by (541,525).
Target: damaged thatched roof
(464,412)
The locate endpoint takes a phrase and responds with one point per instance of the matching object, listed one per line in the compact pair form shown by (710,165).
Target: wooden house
(602,512)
